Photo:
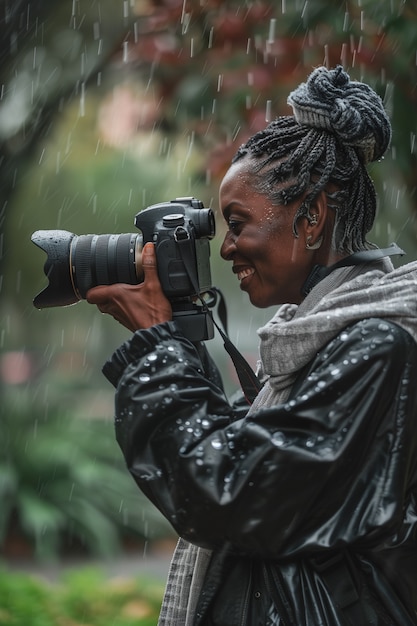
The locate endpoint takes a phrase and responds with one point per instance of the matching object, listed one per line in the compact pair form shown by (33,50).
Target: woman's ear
(312,227)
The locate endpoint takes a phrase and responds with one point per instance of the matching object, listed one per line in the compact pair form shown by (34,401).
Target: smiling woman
(270,262)
(299,510)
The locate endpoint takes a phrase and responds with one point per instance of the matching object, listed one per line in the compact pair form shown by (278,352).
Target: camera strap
(249,381)
(357,258)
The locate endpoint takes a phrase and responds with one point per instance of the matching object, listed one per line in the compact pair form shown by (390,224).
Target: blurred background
(107,107)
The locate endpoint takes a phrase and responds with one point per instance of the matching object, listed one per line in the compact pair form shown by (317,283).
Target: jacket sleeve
(327,468)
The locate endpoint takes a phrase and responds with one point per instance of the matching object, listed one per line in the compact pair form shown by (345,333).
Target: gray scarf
(289,341)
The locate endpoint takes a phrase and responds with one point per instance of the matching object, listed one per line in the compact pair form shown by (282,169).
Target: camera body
(181,237)
(180,230)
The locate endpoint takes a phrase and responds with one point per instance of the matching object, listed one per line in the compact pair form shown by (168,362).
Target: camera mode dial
(174,219)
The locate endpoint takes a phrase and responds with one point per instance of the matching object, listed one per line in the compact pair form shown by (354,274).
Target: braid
(324,147)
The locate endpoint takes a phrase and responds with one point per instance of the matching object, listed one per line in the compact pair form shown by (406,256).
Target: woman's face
(270,263)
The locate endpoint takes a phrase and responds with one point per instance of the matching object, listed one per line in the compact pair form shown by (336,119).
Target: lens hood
(60,290)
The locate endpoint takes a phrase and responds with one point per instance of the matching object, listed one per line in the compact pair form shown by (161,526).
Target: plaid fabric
(185,579)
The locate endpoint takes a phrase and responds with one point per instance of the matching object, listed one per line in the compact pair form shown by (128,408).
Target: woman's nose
(228,247)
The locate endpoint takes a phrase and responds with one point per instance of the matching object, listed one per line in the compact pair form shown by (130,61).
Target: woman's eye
(234,225)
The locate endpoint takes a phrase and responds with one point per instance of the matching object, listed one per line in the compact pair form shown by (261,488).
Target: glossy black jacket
(313,502)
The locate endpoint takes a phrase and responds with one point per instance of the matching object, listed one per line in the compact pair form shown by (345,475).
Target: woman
(303,511)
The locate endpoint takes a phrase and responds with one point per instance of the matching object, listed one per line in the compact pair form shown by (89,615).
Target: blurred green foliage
(81,597)
(63,484)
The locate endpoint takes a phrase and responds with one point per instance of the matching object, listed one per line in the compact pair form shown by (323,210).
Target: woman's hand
(135,306)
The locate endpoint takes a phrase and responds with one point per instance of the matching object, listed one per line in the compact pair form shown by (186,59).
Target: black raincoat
(310,507)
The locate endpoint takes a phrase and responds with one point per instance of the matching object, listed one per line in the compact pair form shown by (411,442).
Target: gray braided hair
(338,127)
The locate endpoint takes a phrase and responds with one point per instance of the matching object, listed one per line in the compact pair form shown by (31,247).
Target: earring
(313,219)
(313,246)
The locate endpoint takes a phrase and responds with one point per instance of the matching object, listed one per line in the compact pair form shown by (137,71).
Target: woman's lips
(243,272)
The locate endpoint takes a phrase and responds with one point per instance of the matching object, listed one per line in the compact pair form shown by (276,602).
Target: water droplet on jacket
(217,444)
(344,336)
(205,423)
(310,443)
(152,357)
(144,378)
(278,439)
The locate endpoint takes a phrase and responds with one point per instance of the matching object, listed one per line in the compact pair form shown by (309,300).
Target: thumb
(148,257)
(149,265)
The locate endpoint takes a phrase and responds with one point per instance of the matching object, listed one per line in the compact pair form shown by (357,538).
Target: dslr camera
(180,229)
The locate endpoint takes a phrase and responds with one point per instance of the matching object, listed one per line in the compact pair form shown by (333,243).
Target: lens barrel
(75,264)
(103,260)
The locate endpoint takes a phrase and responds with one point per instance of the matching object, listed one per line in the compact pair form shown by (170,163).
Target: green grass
(82,598)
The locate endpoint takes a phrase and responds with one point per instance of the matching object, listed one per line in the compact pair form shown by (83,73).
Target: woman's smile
(243,273)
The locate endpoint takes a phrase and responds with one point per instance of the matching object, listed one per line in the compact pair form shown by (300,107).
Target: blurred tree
(220,69)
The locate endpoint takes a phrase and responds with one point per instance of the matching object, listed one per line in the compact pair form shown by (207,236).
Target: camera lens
(103,260)
(74,264)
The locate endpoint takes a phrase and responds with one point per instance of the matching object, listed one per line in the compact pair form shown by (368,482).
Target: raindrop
(82,100)
(144,378)
(268,111)
(217,444)
(383,327)
(125,51)
(278,439)
(272,25)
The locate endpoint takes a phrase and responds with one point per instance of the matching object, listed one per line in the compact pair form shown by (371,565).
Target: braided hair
(337,128)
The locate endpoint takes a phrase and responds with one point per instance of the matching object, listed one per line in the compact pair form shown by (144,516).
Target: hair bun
(351,110)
